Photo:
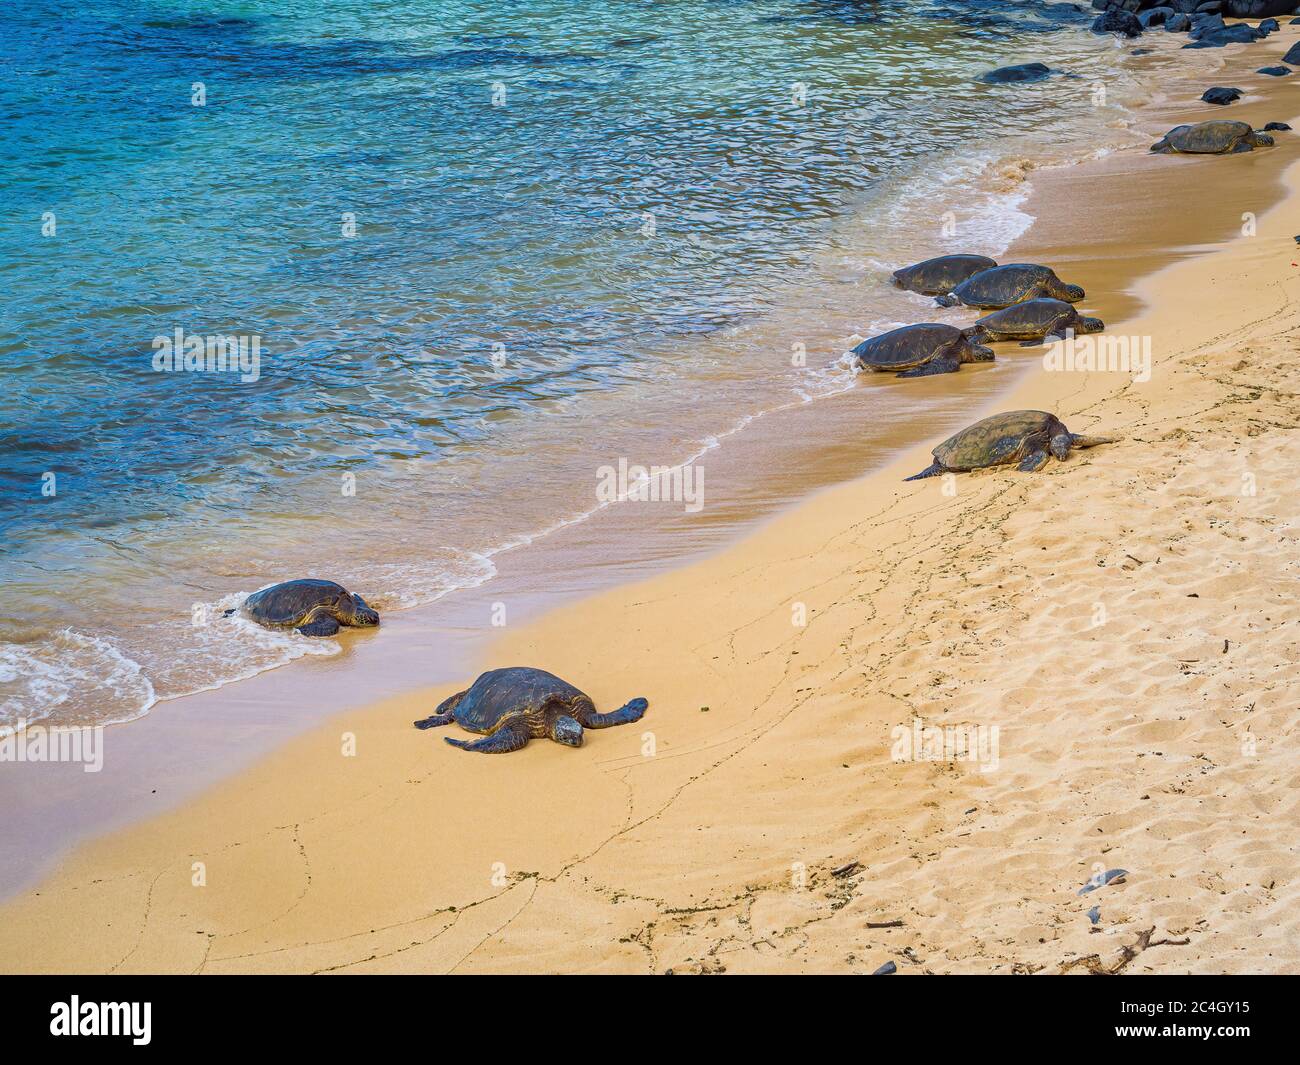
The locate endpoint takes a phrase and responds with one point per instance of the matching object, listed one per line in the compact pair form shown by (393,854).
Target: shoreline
(553,641)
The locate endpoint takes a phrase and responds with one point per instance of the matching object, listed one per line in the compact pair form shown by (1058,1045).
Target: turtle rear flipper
(322,626)
(509,737)
(933,470)
(631,711)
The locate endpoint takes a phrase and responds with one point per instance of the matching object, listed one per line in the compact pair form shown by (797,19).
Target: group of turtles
(1027,302)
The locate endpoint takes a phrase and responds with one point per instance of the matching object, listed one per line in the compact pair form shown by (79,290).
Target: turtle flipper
(1033,462)
(624,715)
(322,626)
(1078,440)
(933,470)
(947,300)
(445,714)
(505,739)
(947,364)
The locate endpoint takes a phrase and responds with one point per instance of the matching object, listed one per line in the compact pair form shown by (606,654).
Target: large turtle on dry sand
(1032,321)
(1211,138)
(920,350)
(1001,286)
(1025,437)
(511,706)
(310,607)
(937,276)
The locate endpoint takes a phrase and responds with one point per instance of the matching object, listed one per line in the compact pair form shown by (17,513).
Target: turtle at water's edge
(1032,321)
(513,705)
(1001,286)
(1211,138)
(942,274)
(920,350)
(310,607)
(1023,437)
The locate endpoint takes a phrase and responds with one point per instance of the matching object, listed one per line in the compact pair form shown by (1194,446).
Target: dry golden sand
(1160,741)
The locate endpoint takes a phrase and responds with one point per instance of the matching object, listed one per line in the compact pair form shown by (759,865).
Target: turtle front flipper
(1078,440)
(933,470)
(510,737)
(943,364)
(445,714)
(1033,462)
(624,715)
(322,626)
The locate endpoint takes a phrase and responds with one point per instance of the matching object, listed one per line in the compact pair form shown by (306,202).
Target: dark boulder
(1258,8)
(1269,25)
(1179,23)
(1115,20)
(1293,55)
(1156,16)
(1274,72)
(1220,95)
(1237,33)
(1276,126)
(1022,72)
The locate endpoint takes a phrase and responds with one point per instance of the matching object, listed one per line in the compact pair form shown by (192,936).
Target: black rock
(888,969)
(1269,25)
(1156,16)
(1258,8)
(1210,7)
(1118,21)
(1237,33)
(1023,72)
(1281,127)
(1275,72)
(1220,95)
(1293,55)
(1142,51)
(1179,23)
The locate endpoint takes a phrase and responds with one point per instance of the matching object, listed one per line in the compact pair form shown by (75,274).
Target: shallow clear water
(486,249)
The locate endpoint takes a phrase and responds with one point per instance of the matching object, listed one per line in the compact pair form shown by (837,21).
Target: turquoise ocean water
(480,246)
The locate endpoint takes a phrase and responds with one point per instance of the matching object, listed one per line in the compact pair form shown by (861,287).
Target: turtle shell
(288,604)
(1207,138)
(1002,286)
(912,345)
(1033,318)
(996,440)
(936,276)
(502,693)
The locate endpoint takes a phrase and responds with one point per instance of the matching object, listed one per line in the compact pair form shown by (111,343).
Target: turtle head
(1089,325)
(1059,445)
(1072,293)
(363,615)
(974,351)
(566,730)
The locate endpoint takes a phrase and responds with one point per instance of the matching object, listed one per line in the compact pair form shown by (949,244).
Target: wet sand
(703,838)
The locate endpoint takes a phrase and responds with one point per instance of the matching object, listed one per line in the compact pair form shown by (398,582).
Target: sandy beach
(1118,630)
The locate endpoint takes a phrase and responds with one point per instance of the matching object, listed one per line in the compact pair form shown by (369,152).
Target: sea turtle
(1211,138)
(511,706)
(943,274)
(1024,437)
(311,607)
(920,350)
(1032,321)
(1001,286)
